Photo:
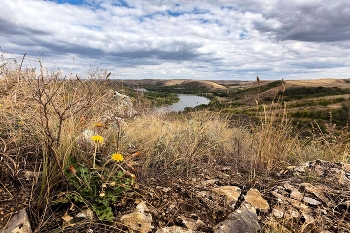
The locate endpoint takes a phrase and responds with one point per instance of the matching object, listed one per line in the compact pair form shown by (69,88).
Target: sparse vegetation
(44,117)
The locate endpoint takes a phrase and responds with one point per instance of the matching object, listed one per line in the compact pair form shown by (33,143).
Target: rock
(300,206)
(202,194)
(346,167)
(87,213)
(296,195)
(304,209)
(278,213)
(307,216)
(318,192)
(291,213)
(189,223)
(124,107)
(139,220)
(242,220)
(231,193)
(280,197)
(341,177)
(311,201)
(254,198)
(29,175)
(208,183)
(19,223)
(174,229)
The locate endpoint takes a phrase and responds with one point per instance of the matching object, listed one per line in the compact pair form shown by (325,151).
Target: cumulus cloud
(205,39)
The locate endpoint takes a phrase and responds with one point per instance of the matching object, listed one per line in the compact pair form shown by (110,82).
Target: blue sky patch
(174,13)
(72,2)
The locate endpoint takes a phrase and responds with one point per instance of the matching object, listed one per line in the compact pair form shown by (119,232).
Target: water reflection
(185,101)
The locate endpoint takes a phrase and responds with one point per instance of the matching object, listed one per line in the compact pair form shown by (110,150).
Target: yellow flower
(21,123)
(97,138)
(117,157)
(98,125)
(102,194)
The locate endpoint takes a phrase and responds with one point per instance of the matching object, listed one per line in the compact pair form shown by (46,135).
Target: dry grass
(42,116)
(327,82)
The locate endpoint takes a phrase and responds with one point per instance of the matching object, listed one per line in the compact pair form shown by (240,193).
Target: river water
(185,101)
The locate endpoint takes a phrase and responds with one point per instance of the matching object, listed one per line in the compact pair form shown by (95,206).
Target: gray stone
(242,220)
(318,191)
(311,201)
(19,223)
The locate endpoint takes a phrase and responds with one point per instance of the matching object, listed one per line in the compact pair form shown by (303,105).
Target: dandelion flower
(117,157)
(102,194)
(97,138)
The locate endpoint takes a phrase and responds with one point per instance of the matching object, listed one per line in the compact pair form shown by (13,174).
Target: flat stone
(280,197)
(292,213)
(19,223)
(318,192)
(254,198)
(300,206)
(296,195)
(139,220)
(311,201)
(231,193)
(191,224)
(174,229)
(289,187)
(278,213)
(242,220)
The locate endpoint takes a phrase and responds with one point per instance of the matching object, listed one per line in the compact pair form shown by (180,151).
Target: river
(185,101)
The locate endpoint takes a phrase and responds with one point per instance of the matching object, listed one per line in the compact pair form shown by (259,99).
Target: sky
(181,39)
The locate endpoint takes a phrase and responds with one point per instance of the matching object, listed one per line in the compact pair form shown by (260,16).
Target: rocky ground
(311,197)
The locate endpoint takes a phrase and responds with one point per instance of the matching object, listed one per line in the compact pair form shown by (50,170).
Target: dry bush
(42,117)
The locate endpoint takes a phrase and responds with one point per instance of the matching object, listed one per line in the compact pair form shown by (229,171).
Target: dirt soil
(169,196)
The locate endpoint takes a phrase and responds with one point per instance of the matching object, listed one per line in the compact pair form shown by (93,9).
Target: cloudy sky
(191,39)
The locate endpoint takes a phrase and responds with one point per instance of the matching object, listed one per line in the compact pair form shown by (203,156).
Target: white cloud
(221,39)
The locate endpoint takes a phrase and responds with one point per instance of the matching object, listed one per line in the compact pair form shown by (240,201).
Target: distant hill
(200,84)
